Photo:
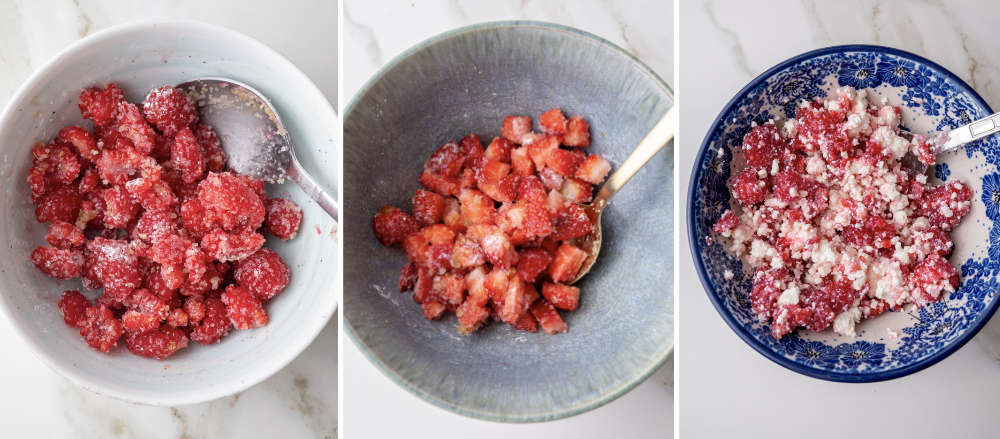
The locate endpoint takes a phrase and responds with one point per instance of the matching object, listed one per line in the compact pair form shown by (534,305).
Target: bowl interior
(465,82)
(895,343)
(138,58)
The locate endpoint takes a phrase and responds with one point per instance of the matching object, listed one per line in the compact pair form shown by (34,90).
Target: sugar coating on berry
(263,273)
(283,219)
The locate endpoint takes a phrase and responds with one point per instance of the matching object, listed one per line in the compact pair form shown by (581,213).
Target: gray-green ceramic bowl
(466,81)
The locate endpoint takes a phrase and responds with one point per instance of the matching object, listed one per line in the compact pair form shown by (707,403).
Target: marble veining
(298,401)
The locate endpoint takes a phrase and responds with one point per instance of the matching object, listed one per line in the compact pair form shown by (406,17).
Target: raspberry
(726,223)
(194,307)
(762,145)
(215,156)
(159,343)
(945,205)
(748,189)
(874,232)
(233,201)
(113,264)
(132,126)
(195,219)
(62,203)
(169,250)
(58,263)
(243,309)
(136,322)
(99,105)
(177,318)
(154,226)
(64,235)
(263,273)
(120,208)
(577,133)
(392,225)
(214,325)
(187,156)
(169,109)
(101,330)
(283,218)
(74,308)
(553,122)
(225,247)
(81,139)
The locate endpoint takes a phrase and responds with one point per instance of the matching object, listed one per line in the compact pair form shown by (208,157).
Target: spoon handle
(661,134)
(312,189)
(973,131)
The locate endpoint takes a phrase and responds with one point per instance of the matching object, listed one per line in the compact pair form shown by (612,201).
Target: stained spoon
(658,137)
(255,141)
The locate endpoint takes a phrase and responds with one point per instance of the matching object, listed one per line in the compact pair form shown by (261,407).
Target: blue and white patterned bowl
(897,343)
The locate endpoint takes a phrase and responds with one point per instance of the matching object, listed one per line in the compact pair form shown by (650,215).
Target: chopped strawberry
(447,161)
(472,148)
(577,191)
(495,244)
(540,150)
(553,122)
(407,277)
(476,207)
(566,263)
(531,262)
(564,297)
(514,127)
(548,317)
(564,162)
(593,169)
(577,133)
(428,207)
(521,162)
(392,225)
(433,309)
(467,253)
(440,184)
(571,222)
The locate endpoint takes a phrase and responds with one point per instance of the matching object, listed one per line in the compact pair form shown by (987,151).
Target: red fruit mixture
(143,209)
(835,229)
(495,232)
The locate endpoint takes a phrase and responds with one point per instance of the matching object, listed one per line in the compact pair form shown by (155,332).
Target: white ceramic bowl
(139,57)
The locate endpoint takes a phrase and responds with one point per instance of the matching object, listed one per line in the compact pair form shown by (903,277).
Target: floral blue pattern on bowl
(896,343)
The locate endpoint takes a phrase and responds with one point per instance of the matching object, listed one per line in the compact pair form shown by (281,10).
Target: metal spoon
(661,134)
(255,141)
(953,139)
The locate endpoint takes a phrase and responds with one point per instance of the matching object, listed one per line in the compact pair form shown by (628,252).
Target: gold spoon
(661,134)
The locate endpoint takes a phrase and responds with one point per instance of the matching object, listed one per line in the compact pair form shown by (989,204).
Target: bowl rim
(694,242)
(423,394)
(310,332)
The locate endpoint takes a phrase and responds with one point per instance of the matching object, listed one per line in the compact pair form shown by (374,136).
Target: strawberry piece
(526,323)
(531,262)
(243,309)
(58,263)
(467,253)
(521,162)
(530,190)
(448,289)
(540,151)
(440,184)
(169,109)
(101,105)
(392,225)
(283,218)
(452,216)
(472,148)
(64,235)
(496,245)
(223,246)
(472,313)
(553,122)
(447,161)
(187,156)
(566,263)
(524,222)
(476,207)
(101,330)
(433,310)
(263,273)
(499,150)
(425,282)
(571,222)
(577,133)
(504,190)
(564,297)
(593,169)
(159,343)
(563,161)
(514,127)
(576,191)
(214,325)
(74,308)
(550,179)
(428,207)
(548,317)
(407,277)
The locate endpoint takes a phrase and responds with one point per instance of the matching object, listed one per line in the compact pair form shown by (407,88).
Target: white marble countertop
(374,33)
(301,399)
(729,390)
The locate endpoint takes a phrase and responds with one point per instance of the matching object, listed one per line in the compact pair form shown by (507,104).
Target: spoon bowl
(256,142)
